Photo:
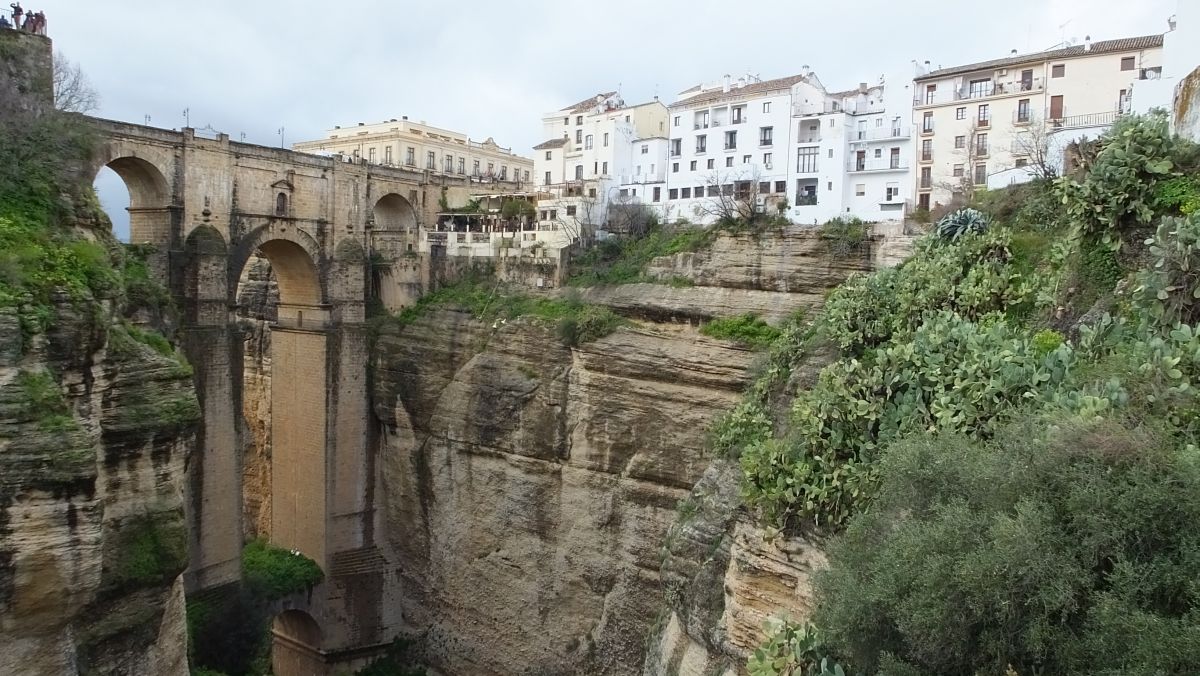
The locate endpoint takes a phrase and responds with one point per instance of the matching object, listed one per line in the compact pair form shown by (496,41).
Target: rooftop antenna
(280,132)
(187,117)
(147,120)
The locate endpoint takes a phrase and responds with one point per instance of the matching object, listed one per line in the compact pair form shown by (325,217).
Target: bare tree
(733,197)
(962,187)
(73,92)
(1036,144)
(629,217)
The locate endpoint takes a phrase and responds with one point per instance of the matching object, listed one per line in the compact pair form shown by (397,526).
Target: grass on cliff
(747,329)
(624,260)
(275,572)
(575,322)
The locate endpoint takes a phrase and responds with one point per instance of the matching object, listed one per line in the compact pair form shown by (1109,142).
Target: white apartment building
(790,141)
(422,147)
(852,151)
(980,119)
(731,137)
(595,149)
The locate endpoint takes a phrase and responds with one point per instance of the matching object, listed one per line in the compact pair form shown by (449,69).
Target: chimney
(403,117)
(725,86)
(1013,52)
(1087,43)
(862,87)
(741,82)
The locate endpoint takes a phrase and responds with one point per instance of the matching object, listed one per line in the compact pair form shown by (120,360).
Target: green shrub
(961,222)
(1062,546)
(1169,290)
(1180,194)
(747,329)
(150,550)
(793,650)
(1047,341)
(275,572)
(845,236)
(624,260)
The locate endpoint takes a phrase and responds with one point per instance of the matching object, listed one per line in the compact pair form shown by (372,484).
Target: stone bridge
(207,205)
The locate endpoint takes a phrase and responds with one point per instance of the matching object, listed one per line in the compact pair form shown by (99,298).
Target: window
(579,136)
(475,169)
(587,142)
(371,155)
(712,191)
(765,135)
(729,161)
(984,116)
(1023,110)
(547,181)
(676,124)
(676,147)
(927,149)
(491,169)
(831,153)
(526,172)
(927,122)
(737,114)
(766,106)
(503,172)
(281,201)
(570,211)
(657,194)
(604,168)
(578,119)
(894,162)
(543,215)
(960,113)
(780,186)
(923,201)
(674,167)
(860,189)
(711,164)
(462,167)
(448,164)
(930,93)
(960,142)
(958,171)
(549,154)
(1127,63)
(686,193)
(701,143)
(1022,162)
(1058,70)
(605,139)
(673,193)
(978,88)
(806,160)
(981,144)
(980,174)
(767,160)
(578,172)
(410,156)
(878,153)
(692,165)
(430,159)
(829,186)
(387,155)
(645,149)
(730,140)
(926,177)
(566,121)
(554,214)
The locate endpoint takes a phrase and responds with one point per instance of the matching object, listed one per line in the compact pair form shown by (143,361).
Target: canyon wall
(95,432)
(528,488)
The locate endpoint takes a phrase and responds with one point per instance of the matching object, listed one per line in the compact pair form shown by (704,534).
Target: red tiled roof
(552,143)
(716,94)
(1101,47)
(587,104)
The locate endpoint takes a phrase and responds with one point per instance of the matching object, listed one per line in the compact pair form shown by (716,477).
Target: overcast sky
(492,68)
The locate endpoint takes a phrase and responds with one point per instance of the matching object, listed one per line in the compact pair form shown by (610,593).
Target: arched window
(281,204)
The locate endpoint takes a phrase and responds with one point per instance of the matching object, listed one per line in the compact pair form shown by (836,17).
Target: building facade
(1001,116)
(595,149)
(419,146)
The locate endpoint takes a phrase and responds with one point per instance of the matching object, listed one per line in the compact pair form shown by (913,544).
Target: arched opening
(296,637)
(281,204)
(141,213)
(393,212)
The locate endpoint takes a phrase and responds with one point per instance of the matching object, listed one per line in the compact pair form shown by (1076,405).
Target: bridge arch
(150,194)
(297,639)
(295,259)
(394,212)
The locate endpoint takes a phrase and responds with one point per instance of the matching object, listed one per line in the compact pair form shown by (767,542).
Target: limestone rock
(528,486)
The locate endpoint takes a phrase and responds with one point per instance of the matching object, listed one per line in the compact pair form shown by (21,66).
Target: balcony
(805,200)
(877,134)
(985,123)
(701,125)
(810,139)
(730,147)
(998,89)
(927,156)
(1078,121)
(981,152)
(883,164)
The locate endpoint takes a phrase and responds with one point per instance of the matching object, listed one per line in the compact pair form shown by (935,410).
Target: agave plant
(958,223)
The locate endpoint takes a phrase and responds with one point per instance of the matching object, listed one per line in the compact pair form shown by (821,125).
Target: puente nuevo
(206,205)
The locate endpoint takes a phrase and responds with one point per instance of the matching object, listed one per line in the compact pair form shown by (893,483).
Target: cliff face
(529,489)
(95,431)
(258,300)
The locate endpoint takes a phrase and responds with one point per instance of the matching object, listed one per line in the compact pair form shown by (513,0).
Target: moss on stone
(146,550)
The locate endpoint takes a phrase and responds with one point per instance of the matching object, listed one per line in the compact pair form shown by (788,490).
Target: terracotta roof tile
(586,104)
(552,143)
(1101,47)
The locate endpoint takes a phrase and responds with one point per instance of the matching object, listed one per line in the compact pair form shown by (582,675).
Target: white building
(1181,56)
(595,149)
(732,137)
(980,119)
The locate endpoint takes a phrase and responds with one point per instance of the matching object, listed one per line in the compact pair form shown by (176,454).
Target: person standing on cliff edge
(4,22)
(16,14)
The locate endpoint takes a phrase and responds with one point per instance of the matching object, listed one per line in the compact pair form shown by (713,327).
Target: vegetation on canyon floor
(1002,438)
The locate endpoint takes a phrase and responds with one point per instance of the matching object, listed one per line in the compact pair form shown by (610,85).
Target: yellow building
(421,147)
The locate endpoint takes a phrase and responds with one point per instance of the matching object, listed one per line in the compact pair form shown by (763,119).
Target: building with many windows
(975,121)
(598,153)
(421,147)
